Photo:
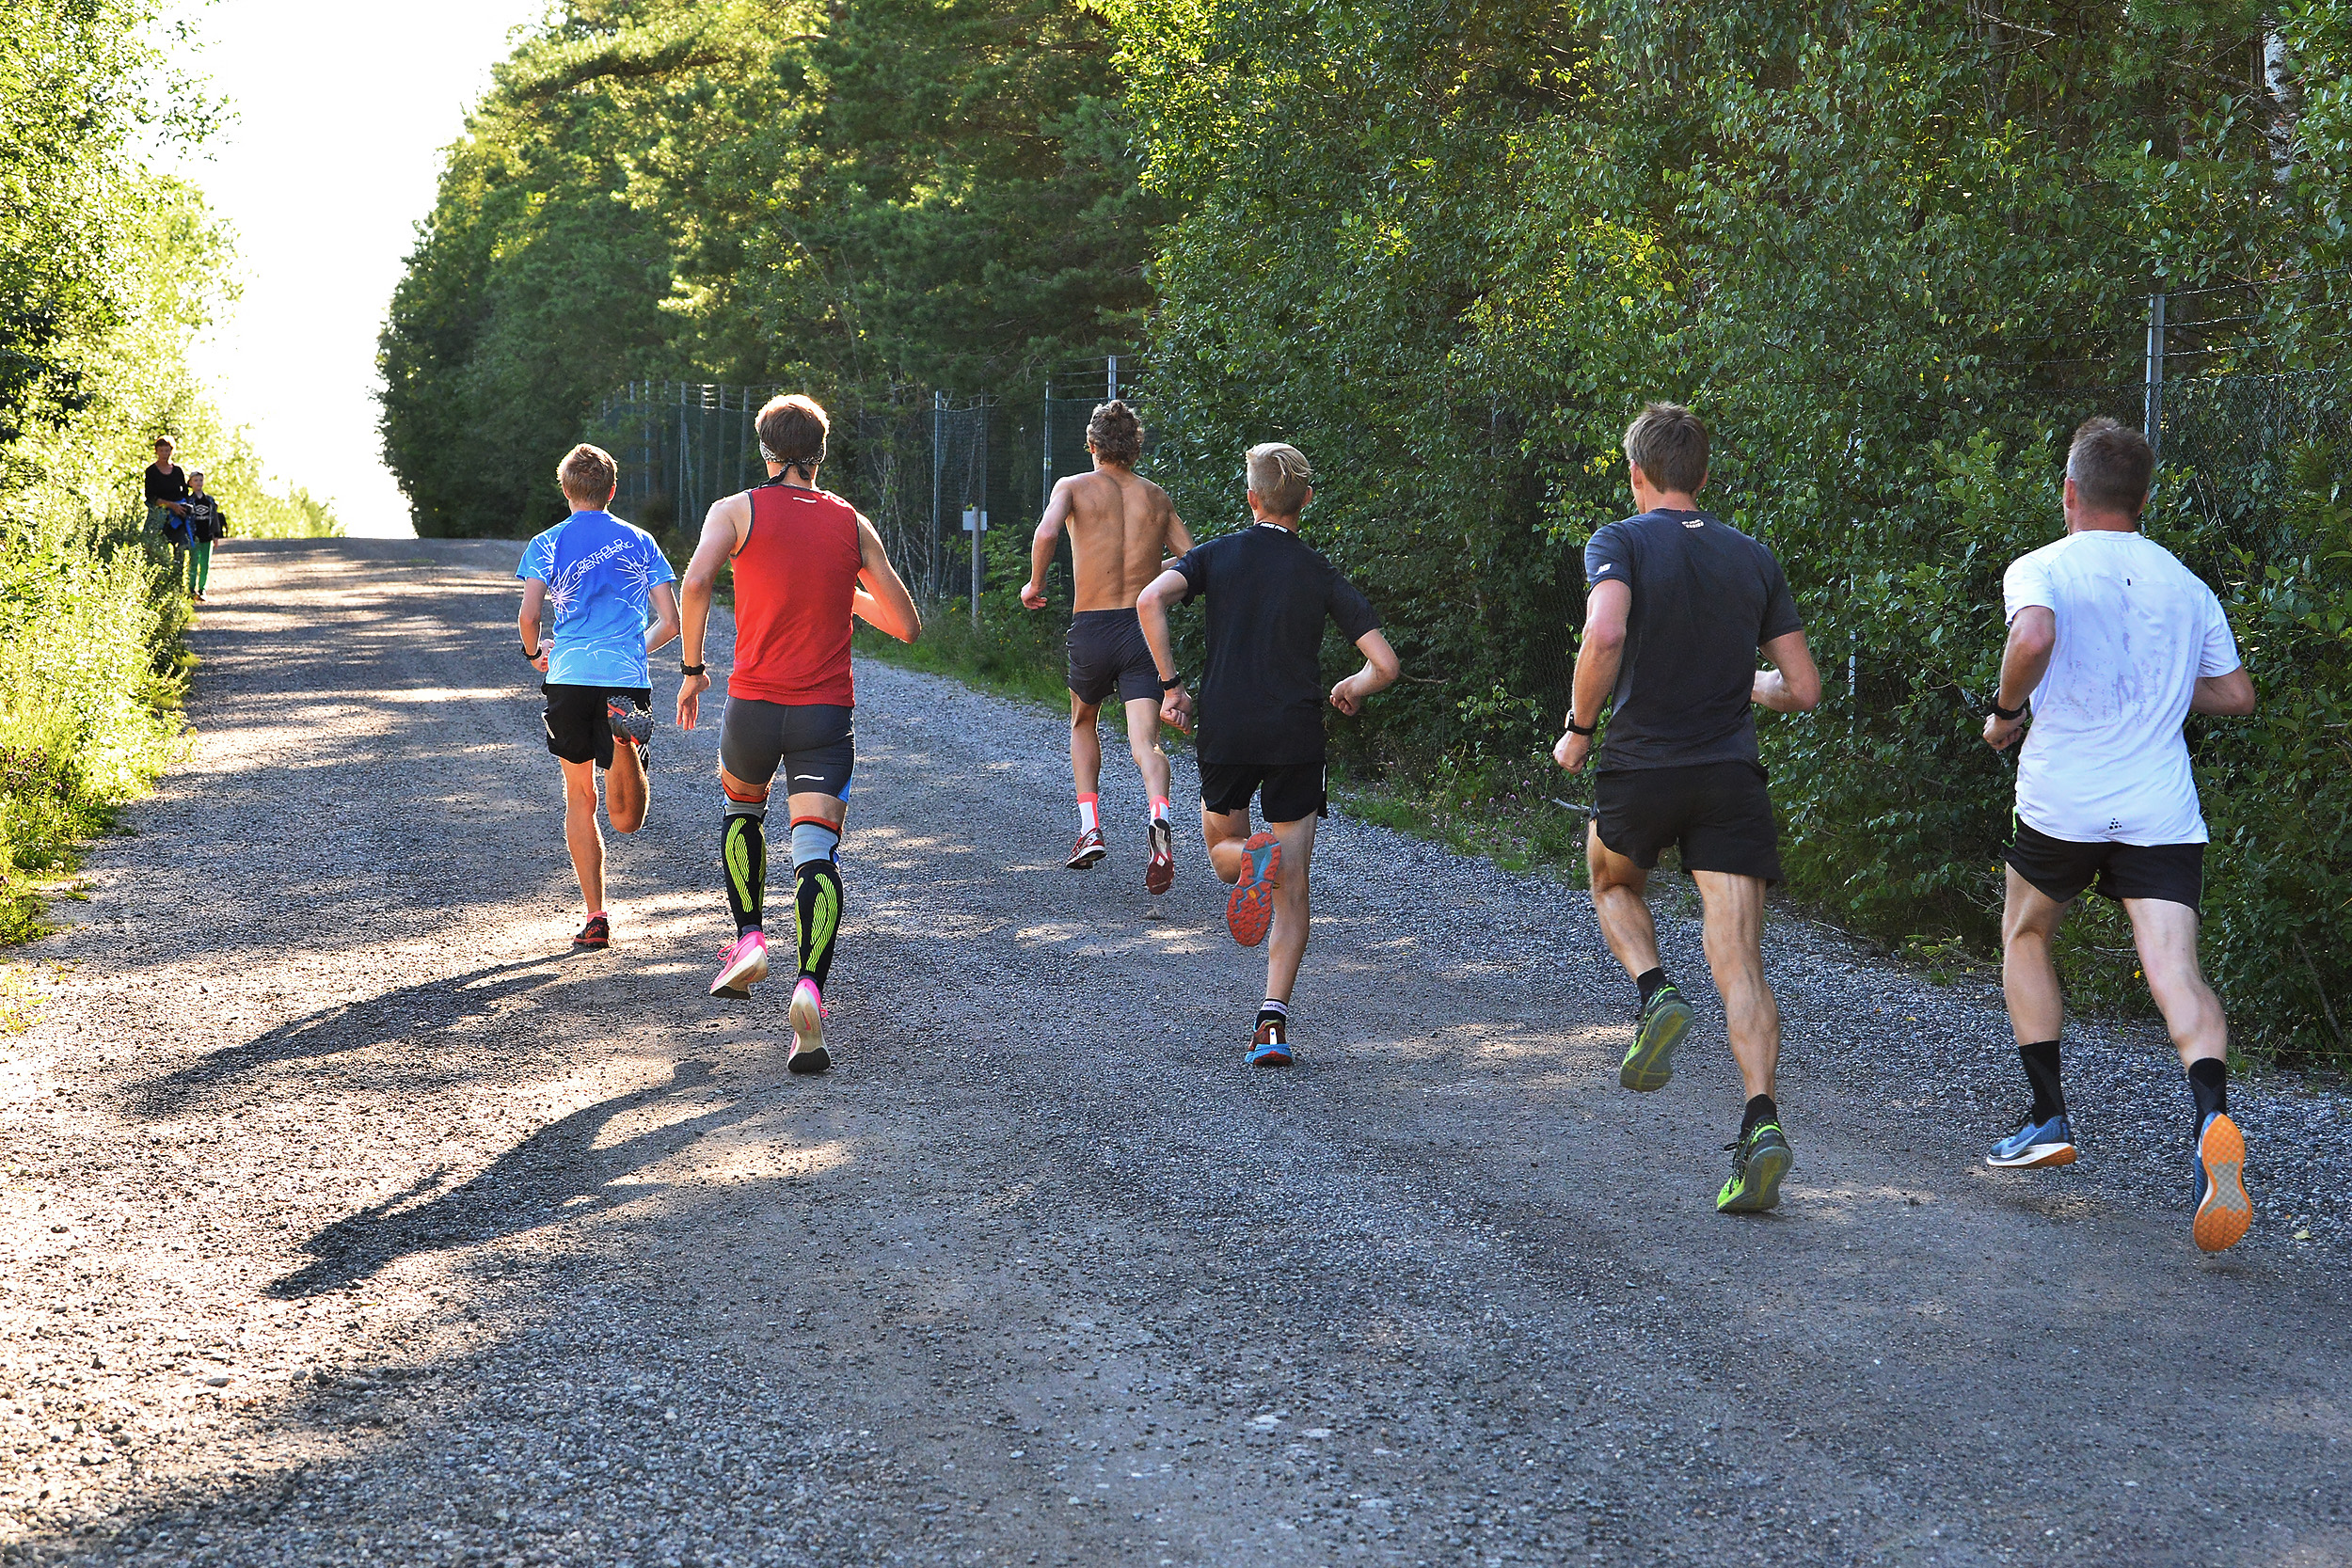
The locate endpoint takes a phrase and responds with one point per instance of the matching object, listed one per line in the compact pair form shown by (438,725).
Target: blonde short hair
(588,474)
(1279,474)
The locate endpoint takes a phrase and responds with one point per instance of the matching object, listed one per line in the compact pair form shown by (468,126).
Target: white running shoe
(743,964)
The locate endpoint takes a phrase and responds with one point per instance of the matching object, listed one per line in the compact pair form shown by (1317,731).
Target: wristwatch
(2006,714)
(1171,683)
(686,669)
(1587,730)
(530,655)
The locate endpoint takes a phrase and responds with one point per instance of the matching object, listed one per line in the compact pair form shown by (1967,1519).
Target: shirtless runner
(1123,528)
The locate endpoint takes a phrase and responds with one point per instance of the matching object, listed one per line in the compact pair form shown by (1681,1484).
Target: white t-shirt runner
(2105,761)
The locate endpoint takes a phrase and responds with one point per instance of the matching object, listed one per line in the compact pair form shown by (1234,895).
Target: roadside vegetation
(106,272)
(1893,253)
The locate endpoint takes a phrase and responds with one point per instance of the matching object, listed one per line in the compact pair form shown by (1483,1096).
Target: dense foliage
(888,194)
(107,274)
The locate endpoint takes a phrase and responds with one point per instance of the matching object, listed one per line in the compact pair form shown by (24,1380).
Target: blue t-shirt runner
(600,574)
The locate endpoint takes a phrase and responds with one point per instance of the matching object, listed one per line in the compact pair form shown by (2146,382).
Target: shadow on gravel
(398,1015)
(529,1186)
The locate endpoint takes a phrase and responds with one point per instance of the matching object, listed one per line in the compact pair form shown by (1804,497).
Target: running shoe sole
(1270,1055)
(1651,1064)
(1766,1168)
(743,972)
(1250,909)
(2038,1157)
(1160,874)
(809,1023)
(629,724)
(1085,856)
(2224,1216)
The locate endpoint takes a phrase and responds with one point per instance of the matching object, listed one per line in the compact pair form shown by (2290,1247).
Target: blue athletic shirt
(600,574)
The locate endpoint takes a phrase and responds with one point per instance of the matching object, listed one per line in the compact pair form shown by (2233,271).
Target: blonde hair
(1279,474)
(588,473)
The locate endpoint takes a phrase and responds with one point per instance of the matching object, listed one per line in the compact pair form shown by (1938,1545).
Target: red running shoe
(1088,850)
(596,933)
(1160,874)
(1250,910)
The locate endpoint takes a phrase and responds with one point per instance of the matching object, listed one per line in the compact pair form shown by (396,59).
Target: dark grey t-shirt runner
(1268,592)
(1706,596)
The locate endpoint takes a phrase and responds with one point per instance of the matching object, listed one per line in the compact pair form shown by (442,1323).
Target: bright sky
(341,112)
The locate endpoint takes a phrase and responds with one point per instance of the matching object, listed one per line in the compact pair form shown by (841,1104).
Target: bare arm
(881,600)
(2230,696)
(1379,672)
(2032,637)
(665,618)
(1042,546)
(721,538)
(1598,658)
(534,598)
(1152,612)
(1792,685)
(1177,541)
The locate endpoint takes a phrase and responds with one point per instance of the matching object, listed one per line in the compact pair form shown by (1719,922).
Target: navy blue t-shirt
(1269,593)
(1706,596)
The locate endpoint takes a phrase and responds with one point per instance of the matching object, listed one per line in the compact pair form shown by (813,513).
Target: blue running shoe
(2034,1145)
(1272,1045)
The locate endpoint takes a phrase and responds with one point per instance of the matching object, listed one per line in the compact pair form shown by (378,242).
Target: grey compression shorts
(812,744)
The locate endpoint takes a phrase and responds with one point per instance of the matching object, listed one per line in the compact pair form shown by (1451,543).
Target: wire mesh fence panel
(959,496)
(682,446)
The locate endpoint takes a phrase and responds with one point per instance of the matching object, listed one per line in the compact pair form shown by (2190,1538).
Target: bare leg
(1225,833)
(1286,944)
(1085,746)
(1617,901)
(580,834)
(1143,742)
(626,790)
(2166,934)
(2030,981)
(1734,956)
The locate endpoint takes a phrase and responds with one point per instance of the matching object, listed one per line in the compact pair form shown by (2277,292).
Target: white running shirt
(2105,761)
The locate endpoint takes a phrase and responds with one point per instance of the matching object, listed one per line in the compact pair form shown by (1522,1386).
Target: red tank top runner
(794,579)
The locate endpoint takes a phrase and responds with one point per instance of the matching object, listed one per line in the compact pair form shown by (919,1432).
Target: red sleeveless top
(793,581)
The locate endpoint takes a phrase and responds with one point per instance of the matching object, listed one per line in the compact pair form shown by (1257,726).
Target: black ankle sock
(2041,1061)
(1761,1110)
(2209,1083)
(1651,984)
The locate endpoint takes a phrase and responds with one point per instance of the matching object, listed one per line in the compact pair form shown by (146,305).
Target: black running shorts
(1717,810)
(2062,868)
(1108,652)
(1287,792)
(812,744)
(579,728)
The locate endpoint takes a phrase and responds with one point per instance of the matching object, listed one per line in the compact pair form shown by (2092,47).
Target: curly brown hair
(1115,433)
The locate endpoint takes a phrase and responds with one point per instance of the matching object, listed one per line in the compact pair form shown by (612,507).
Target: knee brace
(811,841)
(748,808)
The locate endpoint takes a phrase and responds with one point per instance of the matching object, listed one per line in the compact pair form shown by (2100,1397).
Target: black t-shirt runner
(167,484)
(1706,596)
(1268,591)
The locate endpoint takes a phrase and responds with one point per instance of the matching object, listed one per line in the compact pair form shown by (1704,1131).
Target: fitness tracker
(531,656)
(1171,683)
(685,668)
(1587,730)
(2007,714)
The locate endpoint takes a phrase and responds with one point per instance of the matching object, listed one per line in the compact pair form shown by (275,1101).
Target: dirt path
(351,1219)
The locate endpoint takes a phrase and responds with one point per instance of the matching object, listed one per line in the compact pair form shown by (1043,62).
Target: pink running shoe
(808,1052)
(743,964)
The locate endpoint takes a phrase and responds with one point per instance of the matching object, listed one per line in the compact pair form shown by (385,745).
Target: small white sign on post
(975,520)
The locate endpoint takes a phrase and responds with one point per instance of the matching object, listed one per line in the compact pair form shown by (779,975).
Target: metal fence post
(1113,359)
(939,468)
(977,515)
(2152,424)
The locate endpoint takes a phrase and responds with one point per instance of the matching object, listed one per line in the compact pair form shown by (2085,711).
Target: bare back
(1122,526)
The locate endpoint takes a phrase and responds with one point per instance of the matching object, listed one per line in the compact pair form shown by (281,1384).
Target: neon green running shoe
(1665,1019)
(1759,1158)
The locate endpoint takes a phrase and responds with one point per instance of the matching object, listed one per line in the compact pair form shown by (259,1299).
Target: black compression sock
(1279,1012)
(816,905)
(1761,1110)
(2209,1083)
(1651,983)
(743,861)
(2041,1061)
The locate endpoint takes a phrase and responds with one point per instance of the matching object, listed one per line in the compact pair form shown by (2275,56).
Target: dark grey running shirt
(1706,596)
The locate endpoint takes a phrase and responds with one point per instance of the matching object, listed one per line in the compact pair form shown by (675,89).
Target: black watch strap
(685,668)
(1171,683)
(530,655)
(2006,714)
(1575,728)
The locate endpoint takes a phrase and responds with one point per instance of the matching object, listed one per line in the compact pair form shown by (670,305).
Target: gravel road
(352,1219)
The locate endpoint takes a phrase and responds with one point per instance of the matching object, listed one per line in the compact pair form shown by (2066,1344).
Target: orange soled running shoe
(1250,910)
(1088,850)
(597,932)
(2223,1209)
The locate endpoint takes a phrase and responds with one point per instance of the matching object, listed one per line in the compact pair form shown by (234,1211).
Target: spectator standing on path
(205,524)
(167,504)
(805,563)
(1121,529)
(2112,644)
(1679,607)
(1262,711)
(610,595)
